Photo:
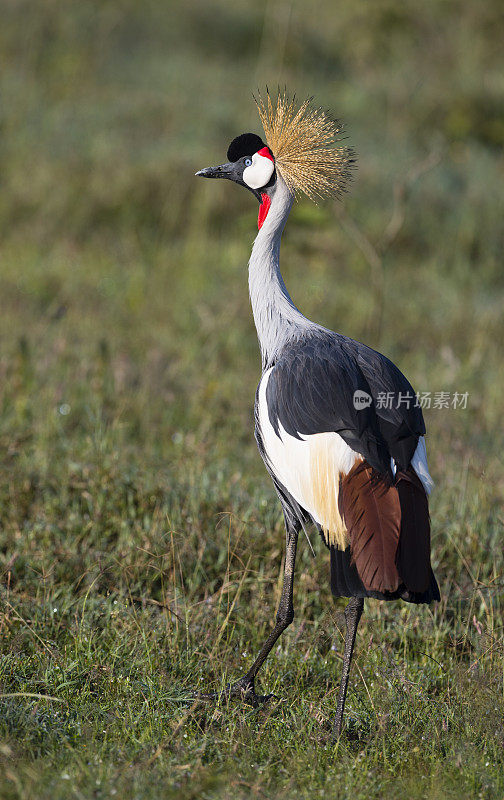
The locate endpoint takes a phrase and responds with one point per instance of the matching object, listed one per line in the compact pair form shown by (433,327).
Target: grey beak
(222,171)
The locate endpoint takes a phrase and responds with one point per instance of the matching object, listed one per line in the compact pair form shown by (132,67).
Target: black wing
(399,415)
(312,389)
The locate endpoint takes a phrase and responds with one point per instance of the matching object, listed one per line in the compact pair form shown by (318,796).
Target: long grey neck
(276,318)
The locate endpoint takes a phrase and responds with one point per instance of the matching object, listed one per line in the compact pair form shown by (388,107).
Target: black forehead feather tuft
(244,145)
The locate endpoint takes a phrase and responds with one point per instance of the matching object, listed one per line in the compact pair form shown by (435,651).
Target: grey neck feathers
(276,318)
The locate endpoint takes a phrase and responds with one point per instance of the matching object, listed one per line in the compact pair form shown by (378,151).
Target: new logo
(361,399)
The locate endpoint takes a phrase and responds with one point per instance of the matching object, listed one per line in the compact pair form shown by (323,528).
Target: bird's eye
(248,162)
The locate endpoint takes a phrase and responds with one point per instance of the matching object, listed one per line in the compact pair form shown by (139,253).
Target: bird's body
(338,457)
(310,431)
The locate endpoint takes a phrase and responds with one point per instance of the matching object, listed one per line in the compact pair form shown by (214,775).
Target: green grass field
(141,541)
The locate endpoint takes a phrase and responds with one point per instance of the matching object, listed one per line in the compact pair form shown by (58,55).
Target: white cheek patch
(259,172)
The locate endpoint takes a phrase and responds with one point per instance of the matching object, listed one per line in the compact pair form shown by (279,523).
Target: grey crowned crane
(339,458)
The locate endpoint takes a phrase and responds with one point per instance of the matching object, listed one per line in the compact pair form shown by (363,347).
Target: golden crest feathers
(305,142)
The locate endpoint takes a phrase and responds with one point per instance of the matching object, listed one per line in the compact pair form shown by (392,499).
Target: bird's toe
(243,689)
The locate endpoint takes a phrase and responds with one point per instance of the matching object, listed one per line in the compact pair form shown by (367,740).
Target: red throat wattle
(263,209)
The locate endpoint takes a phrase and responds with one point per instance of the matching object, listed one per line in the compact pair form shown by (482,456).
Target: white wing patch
(259,172)
(309,468)
(419,464)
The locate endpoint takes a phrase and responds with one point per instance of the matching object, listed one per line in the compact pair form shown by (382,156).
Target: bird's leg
(245,687)
(285,613)
(353,613)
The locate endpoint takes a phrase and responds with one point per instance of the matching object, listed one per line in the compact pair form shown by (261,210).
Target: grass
(141,541)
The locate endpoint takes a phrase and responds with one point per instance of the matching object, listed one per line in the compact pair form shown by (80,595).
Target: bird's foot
(350,732)
(244,689)
(336,732)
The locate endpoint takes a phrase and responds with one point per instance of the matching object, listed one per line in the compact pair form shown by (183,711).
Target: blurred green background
(130,477)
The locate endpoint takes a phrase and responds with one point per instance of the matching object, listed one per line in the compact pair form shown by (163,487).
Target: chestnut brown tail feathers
(372,516)
(388,528)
